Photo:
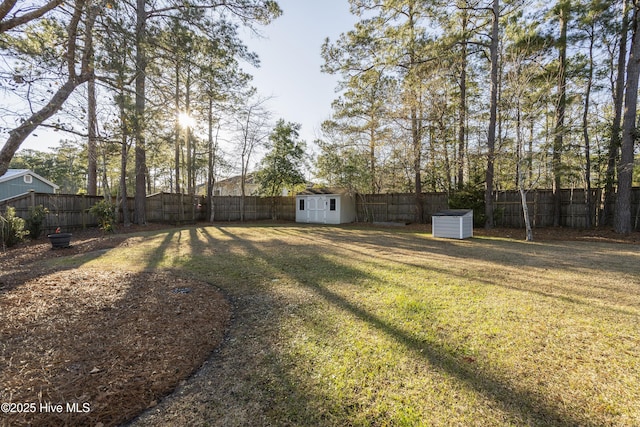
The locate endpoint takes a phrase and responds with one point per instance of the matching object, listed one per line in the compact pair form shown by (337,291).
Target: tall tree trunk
(92,155)
(244,163)
(92,143)
(462,112)
(415,113)
(190,159)
(123,181)
(493,115)
(124,150)
(372,156)
(585,134)
(139,122)
(521,180)
(618,100)
(525,212)
(106,187)
(177,128)
(519,142)
(622,218)
(212,163)
(558,136)
(417,162)
(431,174)
(530,148)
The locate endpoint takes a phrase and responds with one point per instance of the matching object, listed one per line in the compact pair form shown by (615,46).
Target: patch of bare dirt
(97,347)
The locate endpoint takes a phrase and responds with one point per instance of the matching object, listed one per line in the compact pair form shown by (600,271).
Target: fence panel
(397,207)
(226,208)
(67,211)
(175,208)
(573,208)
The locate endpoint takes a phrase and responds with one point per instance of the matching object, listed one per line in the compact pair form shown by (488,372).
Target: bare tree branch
(18,20)
(21,132)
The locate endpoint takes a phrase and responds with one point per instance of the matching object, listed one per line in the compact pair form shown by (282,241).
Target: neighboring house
(325,206)
(20,181)
(232,186)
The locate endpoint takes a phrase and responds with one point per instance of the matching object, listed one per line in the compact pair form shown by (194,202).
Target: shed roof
(453,212)
(322,190)
(16,173)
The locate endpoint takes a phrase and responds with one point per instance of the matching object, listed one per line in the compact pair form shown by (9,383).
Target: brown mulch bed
(103,344)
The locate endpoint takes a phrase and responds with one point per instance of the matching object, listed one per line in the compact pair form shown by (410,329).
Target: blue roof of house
(12,173)
(15,173)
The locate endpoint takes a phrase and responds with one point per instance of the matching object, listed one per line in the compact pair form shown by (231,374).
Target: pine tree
(281,167)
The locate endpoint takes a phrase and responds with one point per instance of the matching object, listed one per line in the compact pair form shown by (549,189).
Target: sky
(290,61)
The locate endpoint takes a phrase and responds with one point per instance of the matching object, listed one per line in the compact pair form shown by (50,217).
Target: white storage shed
(452,223)
(325,206)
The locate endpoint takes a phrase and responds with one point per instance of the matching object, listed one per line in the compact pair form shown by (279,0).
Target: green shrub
(470,197)
(11,228)
(35,220)
(105,212)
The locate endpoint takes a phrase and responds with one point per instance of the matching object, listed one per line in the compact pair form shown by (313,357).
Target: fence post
(83,211)
(162,210)
(181,201)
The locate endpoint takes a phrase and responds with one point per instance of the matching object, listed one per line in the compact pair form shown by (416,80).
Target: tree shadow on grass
(523,404)
(525,261)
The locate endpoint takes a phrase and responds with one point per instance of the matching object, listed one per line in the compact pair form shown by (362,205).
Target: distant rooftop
(14,173)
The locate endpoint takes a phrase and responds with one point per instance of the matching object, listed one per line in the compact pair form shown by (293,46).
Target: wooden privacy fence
(229,208)
(174,208)
(71,212)
(399,207)
(181,208)
(573,208)
(67,211)
(507,208)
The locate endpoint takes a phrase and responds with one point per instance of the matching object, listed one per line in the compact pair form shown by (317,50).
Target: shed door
(316,210)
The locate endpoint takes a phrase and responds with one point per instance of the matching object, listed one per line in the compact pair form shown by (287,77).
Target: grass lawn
(364,326)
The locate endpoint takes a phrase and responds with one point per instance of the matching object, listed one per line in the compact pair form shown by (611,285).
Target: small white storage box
(452,224)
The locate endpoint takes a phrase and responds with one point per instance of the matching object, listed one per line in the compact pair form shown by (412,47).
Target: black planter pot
(60,240)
